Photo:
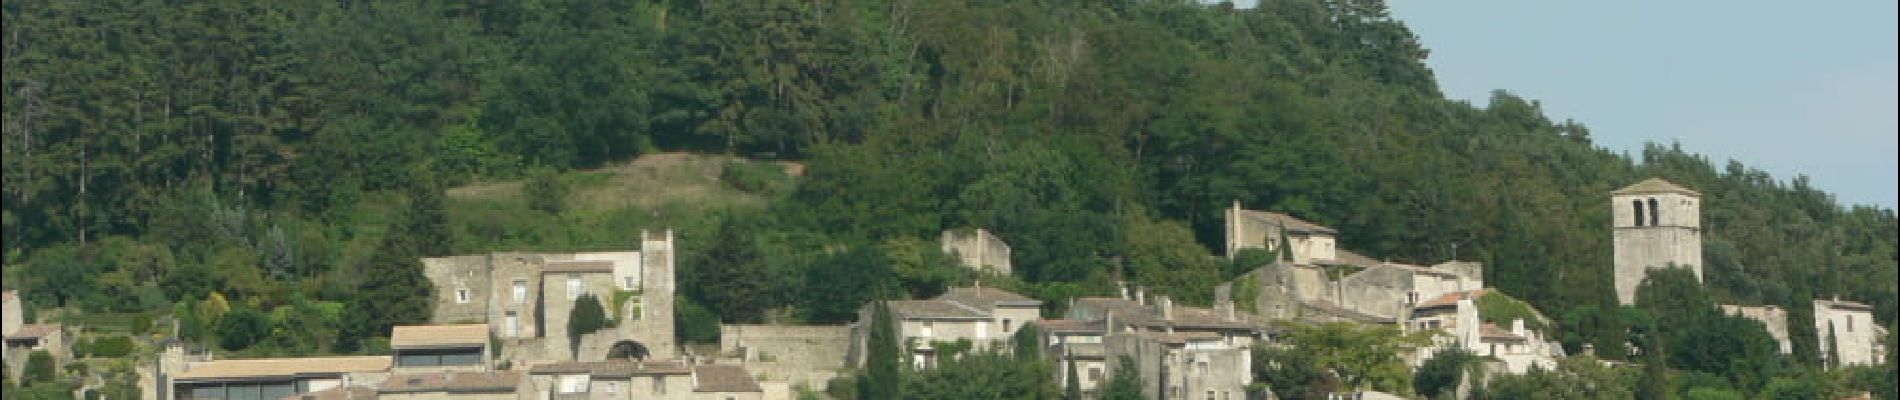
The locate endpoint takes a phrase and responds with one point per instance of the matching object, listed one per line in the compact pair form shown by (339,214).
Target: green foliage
(1440,375)
(1712,394)
(586,317)
(1292,373)
(1576,378)
(756,177)
(545,191)
(241,328)
(1163,256)
(112,346)
(693,323)
(1027,342)
(39,368)
(1124,383)
(882,377)
(982,375)
(838,284)
(1501,309)
(1362,357)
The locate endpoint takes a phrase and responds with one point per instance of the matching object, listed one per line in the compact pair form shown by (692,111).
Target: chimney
(1165,306)
(1124,288)
(1517,326)
(1141,296)
(1108,322)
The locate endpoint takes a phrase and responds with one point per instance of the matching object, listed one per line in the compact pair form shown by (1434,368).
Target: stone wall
(978,250)
(1641,249)
(1772,318)
(808,354)
(469,274)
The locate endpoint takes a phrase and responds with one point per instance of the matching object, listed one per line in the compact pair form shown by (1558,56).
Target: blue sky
(1786,87)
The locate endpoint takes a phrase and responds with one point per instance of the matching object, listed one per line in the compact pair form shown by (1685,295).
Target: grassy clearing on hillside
(606,207)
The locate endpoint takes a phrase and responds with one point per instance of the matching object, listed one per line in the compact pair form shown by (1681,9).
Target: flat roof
(436,336)
(282,367)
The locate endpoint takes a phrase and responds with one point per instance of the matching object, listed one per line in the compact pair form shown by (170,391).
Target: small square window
(461,295)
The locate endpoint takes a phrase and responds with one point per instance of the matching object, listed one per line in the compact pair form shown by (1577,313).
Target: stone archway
(628,350)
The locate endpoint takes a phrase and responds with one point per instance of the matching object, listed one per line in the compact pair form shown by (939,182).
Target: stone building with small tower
(1656,224)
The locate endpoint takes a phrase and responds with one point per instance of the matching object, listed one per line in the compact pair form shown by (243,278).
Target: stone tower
(1657,224)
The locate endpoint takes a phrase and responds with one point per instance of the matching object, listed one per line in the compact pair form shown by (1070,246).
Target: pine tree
(391,287)
(881,371)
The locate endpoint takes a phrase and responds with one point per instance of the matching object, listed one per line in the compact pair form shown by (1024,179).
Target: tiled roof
(933,309)
(463,382)
(724,379)
(1347,257)
(1334,311)
(337,393)
(1068,326)
(580,267)
(264,367)
(1451,299)
(1291,223)
(411,336)
(33,331)
(987,298)
(612,368)
(1127,312)
(1178,337)
(1655,185)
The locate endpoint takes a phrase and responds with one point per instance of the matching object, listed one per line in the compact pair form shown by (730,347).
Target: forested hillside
(157,153)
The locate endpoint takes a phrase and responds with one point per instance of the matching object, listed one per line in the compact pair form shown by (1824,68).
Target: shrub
(758,178)
(545,191)
(113,346)
(39,368)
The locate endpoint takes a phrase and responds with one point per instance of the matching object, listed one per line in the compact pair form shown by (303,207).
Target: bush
(141,324)
(758,178)
(113,346)
(545,191)
(39,368)
(241,328)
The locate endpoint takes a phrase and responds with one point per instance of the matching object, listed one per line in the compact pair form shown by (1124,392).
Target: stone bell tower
(1656,224)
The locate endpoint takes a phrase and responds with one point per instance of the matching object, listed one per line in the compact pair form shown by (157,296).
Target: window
(521,291)
(1655,213)
(626,283)
(613,387)
(659,385)
(1210,395)
(1850,323)
(1638,206)
(512,325)
(928,331)
(573,286)
(461,295)
(1203,366)
(1095,374)
(1006,325)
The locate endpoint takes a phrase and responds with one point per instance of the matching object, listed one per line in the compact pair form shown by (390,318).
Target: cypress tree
(881,374)
(1073,390)
(586,317)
